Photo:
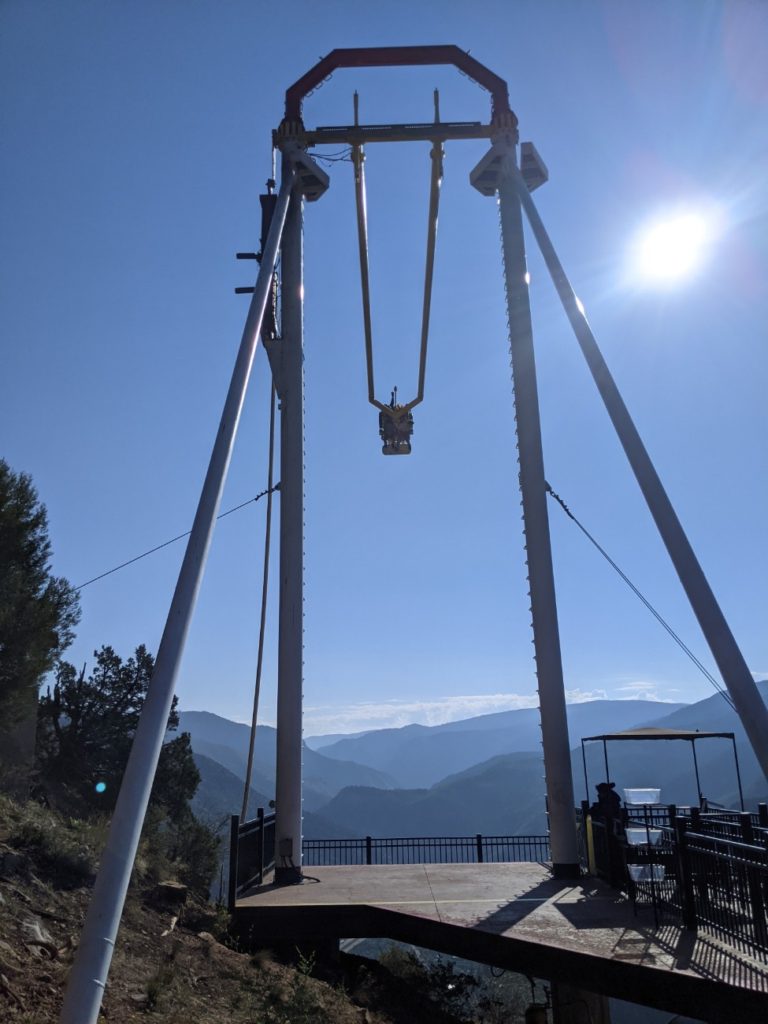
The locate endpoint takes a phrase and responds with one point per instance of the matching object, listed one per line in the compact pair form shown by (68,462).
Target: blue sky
(136,141)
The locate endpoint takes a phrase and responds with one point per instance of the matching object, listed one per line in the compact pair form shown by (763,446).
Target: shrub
(65,853)
(186,850)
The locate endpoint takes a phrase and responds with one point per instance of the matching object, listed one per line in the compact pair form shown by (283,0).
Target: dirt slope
(172,962)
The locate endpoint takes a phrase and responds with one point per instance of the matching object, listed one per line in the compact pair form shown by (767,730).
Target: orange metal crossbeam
(402,56)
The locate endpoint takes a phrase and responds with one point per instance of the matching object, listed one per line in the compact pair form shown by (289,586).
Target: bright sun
(674,248)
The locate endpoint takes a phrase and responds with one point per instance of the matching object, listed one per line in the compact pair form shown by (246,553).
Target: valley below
(479,775)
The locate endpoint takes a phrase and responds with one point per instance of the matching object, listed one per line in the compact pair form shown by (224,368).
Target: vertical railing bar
(234,837)
(260,819)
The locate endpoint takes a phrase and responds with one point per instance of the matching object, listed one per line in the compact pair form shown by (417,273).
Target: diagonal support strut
(726,652)
(88,978)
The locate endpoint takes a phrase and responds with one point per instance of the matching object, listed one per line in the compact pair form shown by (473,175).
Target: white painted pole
(546,636)
(291,631)
(88,978)
(726,652)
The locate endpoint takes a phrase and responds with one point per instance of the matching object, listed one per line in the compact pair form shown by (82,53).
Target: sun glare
(672,249)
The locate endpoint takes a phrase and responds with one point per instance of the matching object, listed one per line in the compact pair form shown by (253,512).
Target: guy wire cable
(264,591)
(173,540)
(681,644)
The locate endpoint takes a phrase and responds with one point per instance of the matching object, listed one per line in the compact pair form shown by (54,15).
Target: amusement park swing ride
(508,173)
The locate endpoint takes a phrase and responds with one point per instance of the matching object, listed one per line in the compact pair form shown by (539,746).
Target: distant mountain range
(503,796)
(670,764)
(220,794)
(419,756)
(482,774)
(226,742)
(318,742)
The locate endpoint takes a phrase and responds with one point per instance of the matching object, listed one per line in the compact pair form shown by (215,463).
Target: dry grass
(186,975)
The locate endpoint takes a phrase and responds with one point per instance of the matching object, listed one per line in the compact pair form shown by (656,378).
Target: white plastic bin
(646,872)
(642,796)
(638,836)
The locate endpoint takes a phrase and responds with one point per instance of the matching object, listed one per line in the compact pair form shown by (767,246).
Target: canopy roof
(664,734)
(660,734)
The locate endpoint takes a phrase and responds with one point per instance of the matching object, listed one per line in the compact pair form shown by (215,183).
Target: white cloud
(392,714)
(320,719)
(582,696)
(643,689)
(759,676)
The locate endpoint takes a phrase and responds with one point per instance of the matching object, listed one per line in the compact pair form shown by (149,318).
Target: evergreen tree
(38,614)
(177,779)
(85,731)
(86,727)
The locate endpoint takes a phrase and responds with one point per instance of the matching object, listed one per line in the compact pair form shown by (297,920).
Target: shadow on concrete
(582,933)
(584,904)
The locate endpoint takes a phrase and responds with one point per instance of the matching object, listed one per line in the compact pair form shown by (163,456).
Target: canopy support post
(584,761)
(738,772)
(696,770)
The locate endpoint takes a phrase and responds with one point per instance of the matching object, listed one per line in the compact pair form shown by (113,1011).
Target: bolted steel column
(546,635)
(291,630)
(730,661)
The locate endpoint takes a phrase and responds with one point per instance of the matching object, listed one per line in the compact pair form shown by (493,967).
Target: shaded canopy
(660,734)
(664,734)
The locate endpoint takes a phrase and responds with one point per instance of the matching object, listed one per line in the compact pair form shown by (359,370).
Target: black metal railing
(608,856)
(600,847)
(515,849)
(333,852)
(709,870)
(251,853)
(651,871)
(653,816)
(732,824)
(727,884)
(728,824)
(582,836)
(477,849)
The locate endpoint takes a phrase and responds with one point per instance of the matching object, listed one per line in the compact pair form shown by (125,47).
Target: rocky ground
(174,960)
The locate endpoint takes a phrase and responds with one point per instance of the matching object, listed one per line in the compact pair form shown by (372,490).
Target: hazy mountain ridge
(325,739)
(669,764)
(419,756)
(504,795)
(500,794)
(226,742)
(220,794)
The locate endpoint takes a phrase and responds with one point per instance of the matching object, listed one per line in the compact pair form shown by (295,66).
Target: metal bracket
(532,167)
(488,173)
(274,352)
(313,180)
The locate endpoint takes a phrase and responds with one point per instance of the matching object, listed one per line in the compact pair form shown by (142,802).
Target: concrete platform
(517,916)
